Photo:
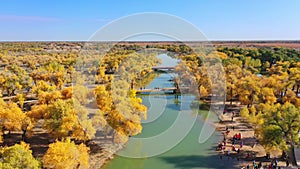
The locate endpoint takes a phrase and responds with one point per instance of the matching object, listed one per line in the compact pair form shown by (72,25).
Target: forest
(72,93)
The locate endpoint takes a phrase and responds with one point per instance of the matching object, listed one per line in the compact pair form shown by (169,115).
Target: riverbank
(102,153)
(245,150)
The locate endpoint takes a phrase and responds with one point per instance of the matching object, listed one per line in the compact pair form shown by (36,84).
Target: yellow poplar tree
(66,155)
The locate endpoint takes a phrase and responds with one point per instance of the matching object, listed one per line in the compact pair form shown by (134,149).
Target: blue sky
(217,19)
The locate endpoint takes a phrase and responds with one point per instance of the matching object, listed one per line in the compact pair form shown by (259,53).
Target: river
(163,110)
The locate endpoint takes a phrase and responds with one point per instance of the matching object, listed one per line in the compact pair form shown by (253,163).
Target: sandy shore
(251,150)
(103,153)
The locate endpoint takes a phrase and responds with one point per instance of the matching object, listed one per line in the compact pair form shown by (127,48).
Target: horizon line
(131,41)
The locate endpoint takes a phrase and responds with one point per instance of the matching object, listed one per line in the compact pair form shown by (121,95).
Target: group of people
(222,146)
(273,165)
(236,149)
(255,165)
(237,136)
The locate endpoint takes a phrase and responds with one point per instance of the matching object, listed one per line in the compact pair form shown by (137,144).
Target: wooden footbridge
(163,68)
(167,89)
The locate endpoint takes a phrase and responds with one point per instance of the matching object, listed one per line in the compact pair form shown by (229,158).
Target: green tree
(294,77)
(18,156)
(281,128)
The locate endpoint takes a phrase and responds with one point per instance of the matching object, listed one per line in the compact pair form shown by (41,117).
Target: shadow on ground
(199,161)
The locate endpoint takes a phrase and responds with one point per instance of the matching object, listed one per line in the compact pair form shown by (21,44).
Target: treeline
(260,59)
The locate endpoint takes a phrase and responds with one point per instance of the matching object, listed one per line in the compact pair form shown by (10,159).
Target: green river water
(189,153)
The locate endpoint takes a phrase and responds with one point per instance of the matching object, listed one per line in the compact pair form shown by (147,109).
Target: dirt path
(249,148)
